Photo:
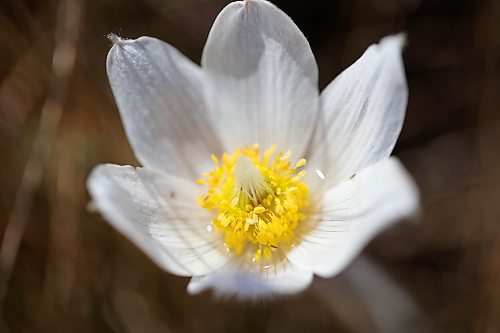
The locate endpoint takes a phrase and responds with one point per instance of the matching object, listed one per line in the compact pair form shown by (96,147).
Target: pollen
(258,200)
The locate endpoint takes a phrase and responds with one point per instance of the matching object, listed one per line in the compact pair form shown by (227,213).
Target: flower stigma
(258,200)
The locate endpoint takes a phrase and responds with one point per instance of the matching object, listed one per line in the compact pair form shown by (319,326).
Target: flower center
(258,200)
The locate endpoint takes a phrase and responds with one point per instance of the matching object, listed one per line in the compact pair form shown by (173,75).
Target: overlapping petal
(261,78)
(158,213)
(352,213)
(362,112)
(232,281)
(257,84)
(159,95)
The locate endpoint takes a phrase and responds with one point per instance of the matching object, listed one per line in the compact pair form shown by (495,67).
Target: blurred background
(64,269)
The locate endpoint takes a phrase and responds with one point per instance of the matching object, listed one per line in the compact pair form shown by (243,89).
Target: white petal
(365,286)
(261,78)
(230,281)
(159,95)
(352,214)
(159,214)
(389,304)
(362,112)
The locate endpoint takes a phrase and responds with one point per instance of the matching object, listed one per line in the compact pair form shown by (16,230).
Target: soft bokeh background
(65,270)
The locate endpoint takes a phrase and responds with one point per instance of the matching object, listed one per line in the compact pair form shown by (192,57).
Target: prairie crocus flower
(253,181)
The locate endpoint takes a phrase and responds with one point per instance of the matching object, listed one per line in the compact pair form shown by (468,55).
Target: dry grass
(70,271)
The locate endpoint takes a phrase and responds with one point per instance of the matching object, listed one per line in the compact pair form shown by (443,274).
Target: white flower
(249,222)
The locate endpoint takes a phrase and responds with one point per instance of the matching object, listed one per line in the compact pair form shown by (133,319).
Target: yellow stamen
(258,201)
(300,163)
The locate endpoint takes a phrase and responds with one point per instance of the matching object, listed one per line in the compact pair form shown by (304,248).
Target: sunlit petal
(261,78)
(354,212)
(160,99)
(232,281)
(159,214)
(362,112)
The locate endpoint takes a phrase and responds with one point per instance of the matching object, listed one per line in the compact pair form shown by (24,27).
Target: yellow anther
(270,152)
(258,254)
(299,176)
(300,163)
(225,221)
(262,225)
(259,210)
(286,156)
(267,252)
(279,209)
(258,200)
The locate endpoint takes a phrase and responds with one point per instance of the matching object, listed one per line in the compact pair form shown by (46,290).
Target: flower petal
(261,78)
(159,95)
(366,286)
(352,214)
(230,281)
(159,214)
(390,306)
(362,112)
